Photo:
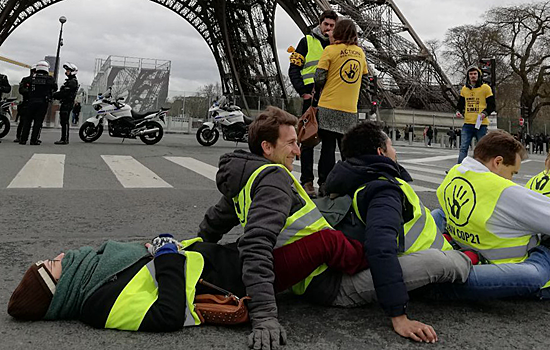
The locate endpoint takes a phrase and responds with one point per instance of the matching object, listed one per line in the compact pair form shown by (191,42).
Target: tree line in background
(518,37)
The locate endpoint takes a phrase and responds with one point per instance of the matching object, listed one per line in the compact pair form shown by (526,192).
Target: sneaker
(322,191)
(16,140)
(310,190)
(61,142)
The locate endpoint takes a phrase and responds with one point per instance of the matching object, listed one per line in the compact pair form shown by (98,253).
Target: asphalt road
(88,202)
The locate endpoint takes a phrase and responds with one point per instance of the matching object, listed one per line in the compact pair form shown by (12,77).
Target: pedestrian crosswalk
(41,171)
(49,171)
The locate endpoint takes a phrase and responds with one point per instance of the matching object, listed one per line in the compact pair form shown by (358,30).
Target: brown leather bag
(217,309)
(308,128)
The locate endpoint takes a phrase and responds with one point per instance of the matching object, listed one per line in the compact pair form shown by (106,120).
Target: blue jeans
(468,133)
(492,281)
(439,218)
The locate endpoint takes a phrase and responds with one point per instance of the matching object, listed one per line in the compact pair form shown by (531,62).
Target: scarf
(85,270)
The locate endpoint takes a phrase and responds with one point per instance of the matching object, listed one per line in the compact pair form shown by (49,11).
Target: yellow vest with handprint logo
(468,200)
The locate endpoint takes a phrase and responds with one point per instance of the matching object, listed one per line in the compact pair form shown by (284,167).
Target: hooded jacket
(294,71)
(490,101)
(385,209)
(274,199)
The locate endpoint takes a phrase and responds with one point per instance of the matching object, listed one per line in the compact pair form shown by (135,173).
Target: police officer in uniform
(23,108)
(4,86)
(66,95)
(40,94)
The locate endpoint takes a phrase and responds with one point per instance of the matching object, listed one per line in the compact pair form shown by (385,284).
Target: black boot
(61,142)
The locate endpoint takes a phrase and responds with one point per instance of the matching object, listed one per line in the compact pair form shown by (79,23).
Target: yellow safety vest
(314,52)
(302,223)
(468,200)
(540,183)
(141,292)
(421,232)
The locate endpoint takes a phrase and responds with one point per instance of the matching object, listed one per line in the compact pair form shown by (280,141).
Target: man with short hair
(395,228)
(303,63)
(484,211)
(259,192)
(476,100)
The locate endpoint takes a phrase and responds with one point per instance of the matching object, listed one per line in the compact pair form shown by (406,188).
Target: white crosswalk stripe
(41,171)
(47,171)
(132,174)
(197,166)
(428,159)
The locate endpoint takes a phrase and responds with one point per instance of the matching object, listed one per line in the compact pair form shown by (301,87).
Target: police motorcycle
(123,121)
(5,115)
(232,122)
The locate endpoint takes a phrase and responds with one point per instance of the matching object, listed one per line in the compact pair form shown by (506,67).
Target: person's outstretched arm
(384,223)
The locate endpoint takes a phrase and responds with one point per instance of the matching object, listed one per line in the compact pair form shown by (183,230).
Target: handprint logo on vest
(349,72)
(460,201)
(540,183)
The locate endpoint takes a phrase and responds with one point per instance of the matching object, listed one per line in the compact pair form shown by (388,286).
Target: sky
(141,28)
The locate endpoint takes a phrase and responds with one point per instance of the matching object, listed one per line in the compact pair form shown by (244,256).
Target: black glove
(267,334)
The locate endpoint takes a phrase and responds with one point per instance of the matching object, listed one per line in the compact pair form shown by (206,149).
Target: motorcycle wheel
(151,139)
(4,126)
(89,132)
(207,136)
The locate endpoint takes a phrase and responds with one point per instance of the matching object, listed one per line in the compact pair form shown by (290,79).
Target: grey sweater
(274,199)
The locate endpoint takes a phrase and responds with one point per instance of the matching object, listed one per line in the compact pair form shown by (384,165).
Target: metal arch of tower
(408,74)
(239,34)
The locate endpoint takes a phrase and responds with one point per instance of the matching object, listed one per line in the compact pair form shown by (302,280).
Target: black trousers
(35,116)
(329,139)
(64,116)
(22,112)
(306,154)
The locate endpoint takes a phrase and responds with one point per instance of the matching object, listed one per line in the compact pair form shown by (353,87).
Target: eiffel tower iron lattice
(241,36)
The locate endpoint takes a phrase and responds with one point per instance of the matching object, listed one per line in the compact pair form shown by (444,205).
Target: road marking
(132,174)
(428,159)
(425,170)
(526,161)
(197,166)
(417,188)
(41,171)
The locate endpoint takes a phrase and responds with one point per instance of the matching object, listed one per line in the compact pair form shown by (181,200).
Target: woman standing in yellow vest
(541,182)
(338,82)
(485,211)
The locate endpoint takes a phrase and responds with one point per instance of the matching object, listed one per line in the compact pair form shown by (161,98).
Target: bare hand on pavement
(415,330)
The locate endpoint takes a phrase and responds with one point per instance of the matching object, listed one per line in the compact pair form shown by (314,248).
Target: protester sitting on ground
(484,211)
(397,224)
(541,182)
(117,285)
(259,191)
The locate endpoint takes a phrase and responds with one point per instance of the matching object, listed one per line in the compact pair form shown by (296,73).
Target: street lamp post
(62,20)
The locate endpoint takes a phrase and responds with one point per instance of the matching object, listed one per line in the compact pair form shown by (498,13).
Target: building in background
(143,82)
